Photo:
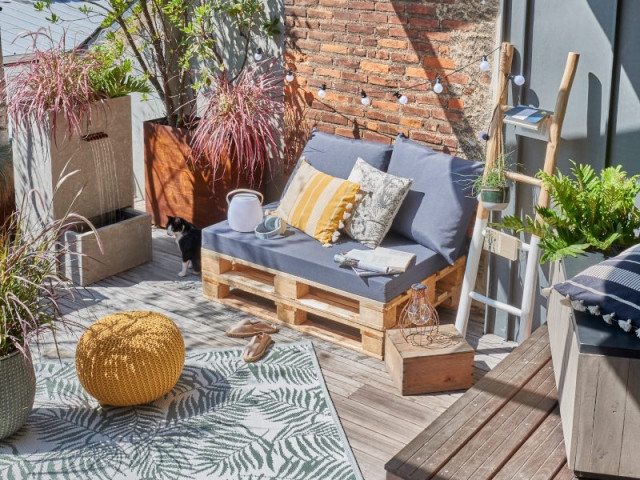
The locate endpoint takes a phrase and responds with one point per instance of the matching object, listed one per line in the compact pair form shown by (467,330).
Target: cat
(189,240)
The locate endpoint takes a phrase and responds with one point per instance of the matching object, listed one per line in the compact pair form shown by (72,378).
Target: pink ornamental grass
(241,122)
(55,81)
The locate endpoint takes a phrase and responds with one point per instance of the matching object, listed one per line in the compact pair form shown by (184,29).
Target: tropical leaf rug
(225,419)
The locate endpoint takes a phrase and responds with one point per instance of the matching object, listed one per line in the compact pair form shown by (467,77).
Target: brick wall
(383,46)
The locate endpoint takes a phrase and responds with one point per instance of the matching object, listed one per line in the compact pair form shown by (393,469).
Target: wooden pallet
(334,315)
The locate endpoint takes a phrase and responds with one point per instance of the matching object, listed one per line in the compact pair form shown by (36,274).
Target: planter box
(125,243)
(597,372)
(102,154)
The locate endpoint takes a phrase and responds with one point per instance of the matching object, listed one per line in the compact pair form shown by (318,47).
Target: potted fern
(589,213)
(31,290)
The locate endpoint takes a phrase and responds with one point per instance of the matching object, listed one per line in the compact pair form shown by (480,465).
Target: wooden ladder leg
(470,274)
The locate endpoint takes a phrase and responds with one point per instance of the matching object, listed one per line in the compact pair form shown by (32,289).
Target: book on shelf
(379,261)
(527,117)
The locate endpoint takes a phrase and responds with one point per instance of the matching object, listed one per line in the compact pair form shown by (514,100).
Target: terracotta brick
(456,25)
(357,28)
(350,39)
(392,43)
(382,55)
(375,67)
(331,48)
(350,109)
(431,126)
(458,78)
(376,114)
(322,36)
(404,32)
(294,57)
(424,47)
(346,132)
(411,122)
(335,3)
(319,13)
(416,110)
(388,106)
(369,41)
(334,118)
(333,27)
(310,45)
(295,11)
(416,72)
(398,20)
(392,129)
(373,126)
(304,69)
(444,129)
(373,17)
(320,59)
(346,16)
(354,77)
(376,137)
(427,137)
(382,81)
(438,62)
(347,62)
(336,96)
(436,36)
(298,34)
(346,88)
(424,22)
(389,7)
(432,99)
(444,50)
(357,5)
(405,57)
(328,72)
(421,9)
(451,142)
(456,104)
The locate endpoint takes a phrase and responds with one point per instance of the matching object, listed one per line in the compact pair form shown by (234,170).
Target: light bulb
(258,55)
(437,88)
(517,79)
(401,98)
(323,91)
(289,78)
(484,136)
(364,99)
(484,64)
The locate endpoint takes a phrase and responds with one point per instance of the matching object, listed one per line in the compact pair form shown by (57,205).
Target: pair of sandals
(257,329)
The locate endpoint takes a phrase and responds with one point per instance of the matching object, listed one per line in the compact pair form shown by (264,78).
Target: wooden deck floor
(378,421)
(507,426)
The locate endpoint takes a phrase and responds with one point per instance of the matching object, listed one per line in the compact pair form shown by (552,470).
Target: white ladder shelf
(481,231)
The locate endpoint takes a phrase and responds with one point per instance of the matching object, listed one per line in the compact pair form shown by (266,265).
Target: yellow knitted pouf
(130,358)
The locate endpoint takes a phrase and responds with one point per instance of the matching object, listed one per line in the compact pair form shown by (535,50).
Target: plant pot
(596,372)
(102,154)
(173,187)
(494,198)
(18,381)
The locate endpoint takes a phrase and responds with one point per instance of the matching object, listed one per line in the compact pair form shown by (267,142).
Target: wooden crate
(417,369)
(337,316)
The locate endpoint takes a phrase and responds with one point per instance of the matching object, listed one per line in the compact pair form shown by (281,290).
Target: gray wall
(602,125)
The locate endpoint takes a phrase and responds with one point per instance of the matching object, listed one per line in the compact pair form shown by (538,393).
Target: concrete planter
(597,373)
(102,155)
(126,243)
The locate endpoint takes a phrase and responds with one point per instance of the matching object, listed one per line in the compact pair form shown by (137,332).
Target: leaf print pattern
(382,196)
(224,419)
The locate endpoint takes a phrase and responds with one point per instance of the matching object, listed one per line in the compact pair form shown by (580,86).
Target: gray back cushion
(336,155)
(439,206)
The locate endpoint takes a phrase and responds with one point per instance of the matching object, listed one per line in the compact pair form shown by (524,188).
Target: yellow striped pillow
(317,203)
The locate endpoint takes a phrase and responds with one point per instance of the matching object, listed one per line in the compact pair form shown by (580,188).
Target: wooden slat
(475,408)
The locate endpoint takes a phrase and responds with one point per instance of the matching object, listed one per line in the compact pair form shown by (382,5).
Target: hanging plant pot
(494,198)
(18,391)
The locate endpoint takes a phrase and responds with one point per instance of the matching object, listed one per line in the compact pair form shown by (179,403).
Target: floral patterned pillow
(382,195)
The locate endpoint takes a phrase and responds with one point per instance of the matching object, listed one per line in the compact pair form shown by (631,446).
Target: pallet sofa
(292,280)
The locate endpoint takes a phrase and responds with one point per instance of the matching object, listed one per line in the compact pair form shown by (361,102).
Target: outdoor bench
(292,280)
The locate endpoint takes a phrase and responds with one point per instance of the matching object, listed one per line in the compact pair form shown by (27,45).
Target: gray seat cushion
(301,255)
(439,205)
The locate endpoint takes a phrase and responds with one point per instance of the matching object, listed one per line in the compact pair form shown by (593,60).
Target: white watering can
(245,209)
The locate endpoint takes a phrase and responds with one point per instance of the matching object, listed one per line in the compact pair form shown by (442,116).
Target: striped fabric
(610,289)
(317,203)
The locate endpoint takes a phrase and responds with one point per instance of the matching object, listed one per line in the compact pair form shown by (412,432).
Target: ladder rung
(496,304)
(520,177)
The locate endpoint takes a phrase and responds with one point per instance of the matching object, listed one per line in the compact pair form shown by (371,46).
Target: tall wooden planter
(597,372)
(173,187)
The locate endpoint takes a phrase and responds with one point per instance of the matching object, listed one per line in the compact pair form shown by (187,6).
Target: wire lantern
(419,321)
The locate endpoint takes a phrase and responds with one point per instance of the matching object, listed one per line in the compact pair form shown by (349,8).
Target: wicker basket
(17,391)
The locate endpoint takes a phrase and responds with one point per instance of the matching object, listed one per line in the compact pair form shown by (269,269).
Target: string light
(517,79)
(289,78)
(438,85)
(484,64)
(323,91)
(401,98)
(364,99)
(258,55)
